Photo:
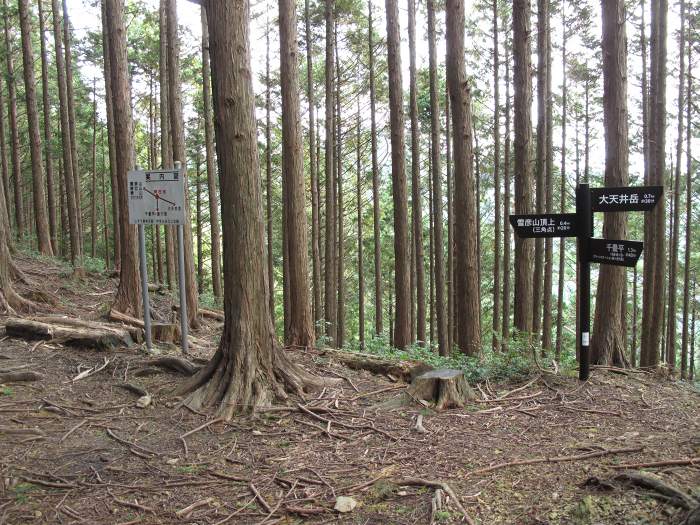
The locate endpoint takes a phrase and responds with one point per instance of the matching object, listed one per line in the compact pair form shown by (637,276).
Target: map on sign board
(629,198)
(545,225)
(156,197)
(617,253)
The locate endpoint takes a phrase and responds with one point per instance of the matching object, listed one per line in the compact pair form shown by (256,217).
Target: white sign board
(156,197)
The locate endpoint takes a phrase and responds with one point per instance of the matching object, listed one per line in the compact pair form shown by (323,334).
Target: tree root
(20,377)
(439,485)
(176,364)
(242,380)
(667,492)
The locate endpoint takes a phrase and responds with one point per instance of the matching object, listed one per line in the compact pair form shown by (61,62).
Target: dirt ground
(79,450)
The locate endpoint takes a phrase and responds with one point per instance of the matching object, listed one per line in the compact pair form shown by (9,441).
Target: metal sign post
(591,250)
(157,197)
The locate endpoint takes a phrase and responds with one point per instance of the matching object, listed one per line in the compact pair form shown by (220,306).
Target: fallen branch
(49,484)
(419,482)
(669,493)
(73,429)
(184,513)
(260,499)
(667,463)
(329,422)
(20,377)
(556,459)
(126,503)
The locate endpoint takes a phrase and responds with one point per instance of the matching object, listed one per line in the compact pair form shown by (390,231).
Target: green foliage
(515,363)
(22,491)
(6,391)
(94,265)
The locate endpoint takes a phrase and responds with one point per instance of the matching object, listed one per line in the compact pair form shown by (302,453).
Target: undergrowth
(515,363)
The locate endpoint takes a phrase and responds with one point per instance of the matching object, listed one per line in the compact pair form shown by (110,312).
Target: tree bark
(211,165)
(249,369)
(114,184)
(402,325)
(378,324)
(331,281)
(608,342)
(540,159)
(496,307)
(48,134)
(128,298)
(14,132)
(437,211)
(198,216)
(70,97)
(524,249)
(338,177)
(93,189)
(268,175)
(505,330)
(179,154)
(688,218)
(655,245)
(450,228)
(360,237)
(165,131)
(416,205)
(69,177)
(4,164)
(301,329)
(673,270)
(38,189)
(549,196)
(313,172)
(467,300)
(559,343)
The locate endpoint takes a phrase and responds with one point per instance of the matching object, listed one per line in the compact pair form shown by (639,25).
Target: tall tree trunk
(540,159)
(38,189)
(655,247)
(673,270)
(69,178)
(331,281)
(645,97)
(402,326)
(450,228)
(4,164)
(128,295)
(249,369)
(431,251)
(338,177)
(165,131)
(105,225)
(524,249)
(416,206)
(198,216)
(268,174)
(468,332)
(505,330)
(315,220)
(71,117)
(48,134)
(608,342)
(635,314)
(559,343)
(549,195)
(437,211)
(378,325)
(496,308)
(93,188)
(116,233)
(301,329)
(360,238)
(179,154)
(688,217)
(211,166)
(14,131)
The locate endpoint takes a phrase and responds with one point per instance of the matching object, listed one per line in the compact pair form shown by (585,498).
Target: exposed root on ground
(243,381)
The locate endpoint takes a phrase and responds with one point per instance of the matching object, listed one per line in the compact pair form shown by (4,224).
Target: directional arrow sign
(545,225)
(617,253)
(629,198)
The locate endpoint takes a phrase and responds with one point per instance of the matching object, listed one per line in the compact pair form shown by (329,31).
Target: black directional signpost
(590,249)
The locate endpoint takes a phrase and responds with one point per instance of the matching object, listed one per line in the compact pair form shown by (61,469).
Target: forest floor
(78,450)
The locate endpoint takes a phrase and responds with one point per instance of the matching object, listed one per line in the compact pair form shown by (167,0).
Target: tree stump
(445,388)
(165,332)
